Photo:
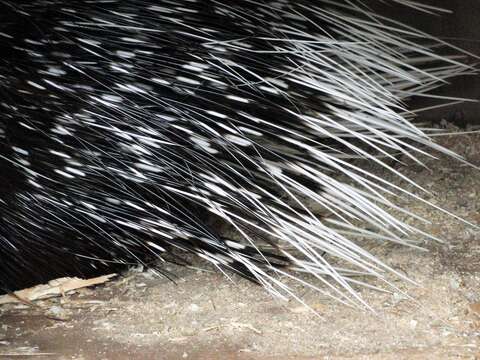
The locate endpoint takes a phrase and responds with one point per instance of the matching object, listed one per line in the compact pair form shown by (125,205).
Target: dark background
(461,28)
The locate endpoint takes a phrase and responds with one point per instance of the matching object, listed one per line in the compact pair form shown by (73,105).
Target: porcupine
(124,123)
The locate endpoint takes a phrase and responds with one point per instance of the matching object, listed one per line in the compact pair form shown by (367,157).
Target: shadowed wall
(461,28)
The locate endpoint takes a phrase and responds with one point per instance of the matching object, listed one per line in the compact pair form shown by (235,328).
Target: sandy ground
(205,316)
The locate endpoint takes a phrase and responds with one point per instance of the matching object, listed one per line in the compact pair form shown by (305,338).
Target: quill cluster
(126,125)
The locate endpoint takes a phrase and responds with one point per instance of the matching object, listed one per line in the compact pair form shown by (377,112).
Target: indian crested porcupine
(126,126)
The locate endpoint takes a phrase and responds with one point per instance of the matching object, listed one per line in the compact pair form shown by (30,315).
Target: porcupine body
(124,123)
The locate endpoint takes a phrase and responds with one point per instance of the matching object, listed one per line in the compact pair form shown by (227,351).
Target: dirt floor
(203,315)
